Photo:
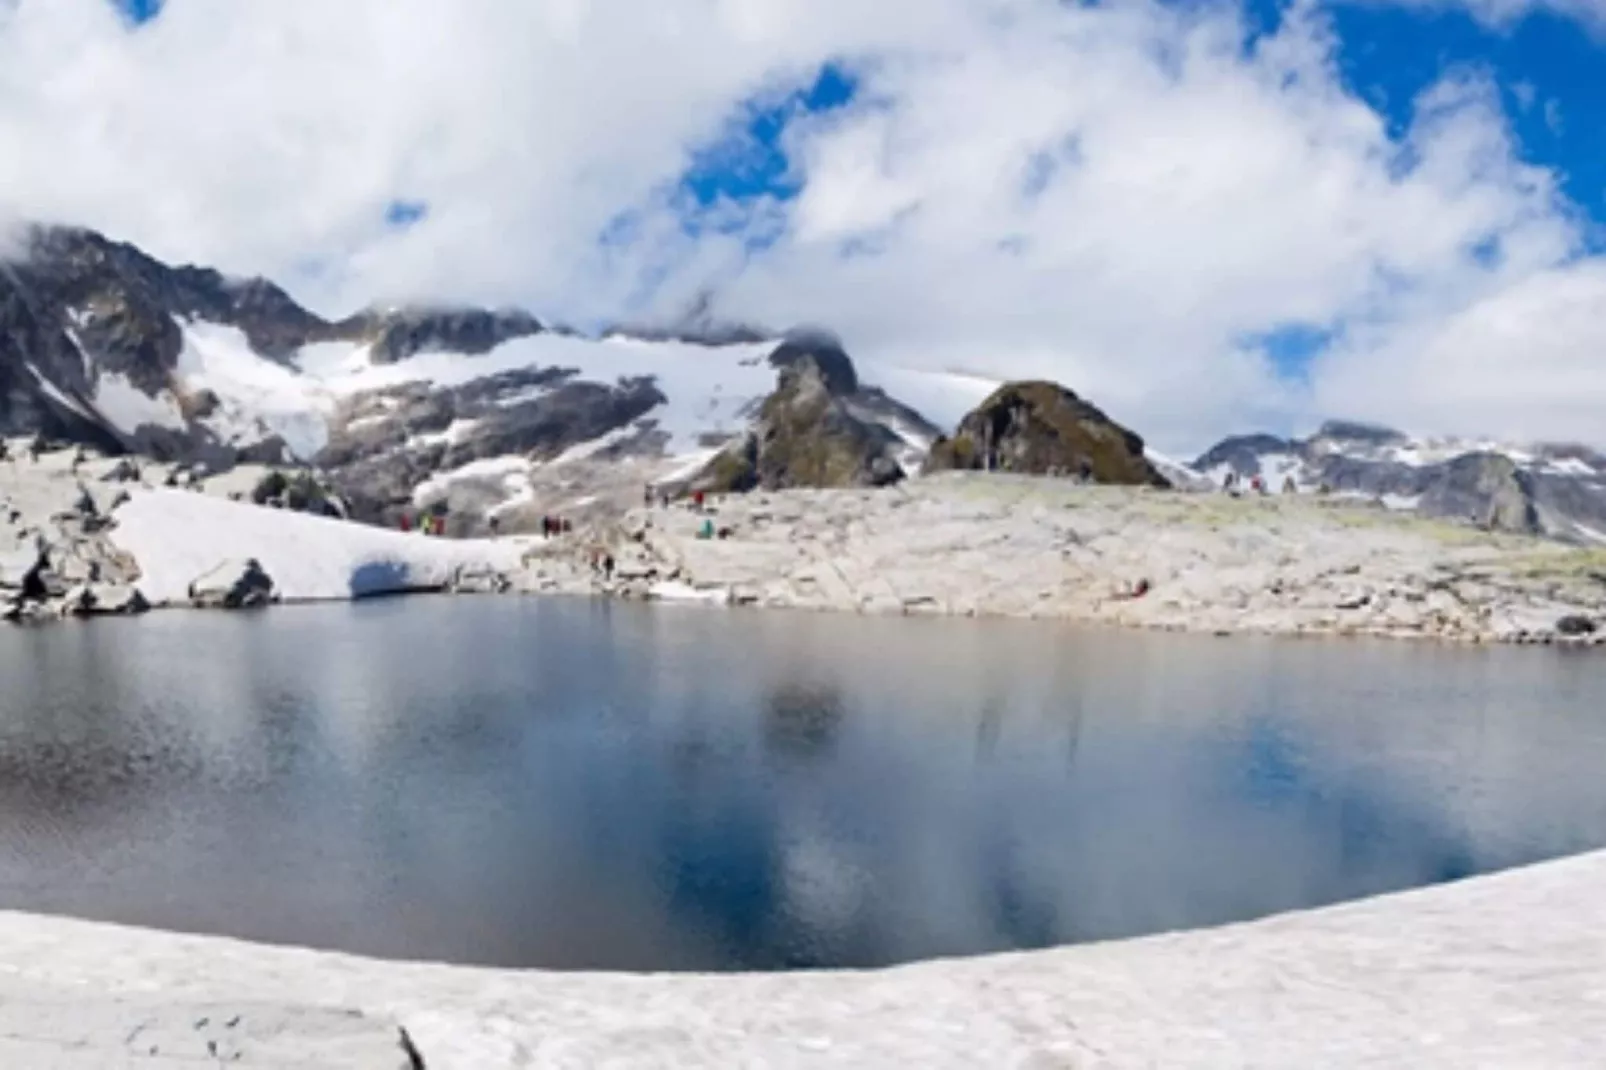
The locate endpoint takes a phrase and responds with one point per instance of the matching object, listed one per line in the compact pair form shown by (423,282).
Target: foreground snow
(1507,970)
(178,535)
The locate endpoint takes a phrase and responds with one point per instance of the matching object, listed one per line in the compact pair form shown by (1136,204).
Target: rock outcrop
(813,431)
(397,334)
(1041,428)
(232,585)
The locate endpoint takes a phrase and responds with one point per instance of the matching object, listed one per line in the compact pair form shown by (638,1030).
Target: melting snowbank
(178,535)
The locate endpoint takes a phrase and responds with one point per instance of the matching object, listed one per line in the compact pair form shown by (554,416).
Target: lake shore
(1506,970)
(958,544)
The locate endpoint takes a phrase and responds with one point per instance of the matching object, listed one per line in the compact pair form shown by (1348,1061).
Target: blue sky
(1548,68)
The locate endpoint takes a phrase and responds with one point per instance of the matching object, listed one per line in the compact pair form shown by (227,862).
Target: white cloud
(1117,197)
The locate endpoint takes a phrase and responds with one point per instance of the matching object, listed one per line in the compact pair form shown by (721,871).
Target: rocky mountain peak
(815,357)
(396,334)
(1359,431)
(819,428)
(1042,428)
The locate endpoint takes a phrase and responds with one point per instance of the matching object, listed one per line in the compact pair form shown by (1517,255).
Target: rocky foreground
(983,544)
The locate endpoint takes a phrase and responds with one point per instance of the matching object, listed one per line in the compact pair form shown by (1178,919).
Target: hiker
(697,499)
(546,527)
(1086,470)
(1229,481)
(707,530)
(663,499)
(495,524)
(568,526)
(647,496)
(1257,486)
(607,566)
(405,523)
(1289,486)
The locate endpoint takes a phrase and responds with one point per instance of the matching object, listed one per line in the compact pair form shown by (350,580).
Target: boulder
(1575,626)
(1040,428)
(126,470)
(237,584)
(478,579)
(116,599)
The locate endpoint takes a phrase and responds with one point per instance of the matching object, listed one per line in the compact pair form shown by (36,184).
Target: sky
(1208,216)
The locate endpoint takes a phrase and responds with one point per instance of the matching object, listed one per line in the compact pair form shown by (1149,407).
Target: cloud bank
(1133,198)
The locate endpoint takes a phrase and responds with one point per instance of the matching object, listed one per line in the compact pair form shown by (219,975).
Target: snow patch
(440,484)
(1592,534)
(54,393)
(581,451)
(457,431)
(128,408)
(177,536)
(258,397)
(685,593)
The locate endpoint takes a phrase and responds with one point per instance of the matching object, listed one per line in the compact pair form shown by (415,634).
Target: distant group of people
(555,525)
(1257,484)
(651,495)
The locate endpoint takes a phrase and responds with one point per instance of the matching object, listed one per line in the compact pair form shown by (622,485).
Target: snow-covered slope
(1550,488)
(488,412)
(177,536)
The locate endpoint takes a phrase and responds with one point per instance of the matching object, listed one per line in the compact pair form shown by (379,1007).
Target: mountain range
(1555,489)
(499,413)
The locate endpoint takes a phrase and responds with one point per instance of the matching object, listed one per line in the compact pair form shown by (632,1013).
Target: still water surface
(558,783)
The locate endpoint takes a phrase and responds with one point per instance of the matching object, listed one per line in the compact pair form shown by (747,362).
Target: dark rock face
(76,306)
(1242,453)
(1486,489)
(1041,428)
(403,333)
(386,442)
(818,429)
(1364,434)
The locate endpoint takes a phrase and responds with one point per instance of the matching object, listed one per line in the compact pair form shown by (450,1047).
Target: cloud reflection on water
(560,783)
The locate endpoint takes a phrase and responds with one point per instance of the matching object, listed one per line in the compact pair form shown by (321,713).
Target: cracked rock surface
(73,1031)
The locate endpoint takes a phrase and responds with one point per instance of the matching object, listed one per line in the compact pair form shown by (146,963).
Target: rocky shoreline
(970,544)
(83,535)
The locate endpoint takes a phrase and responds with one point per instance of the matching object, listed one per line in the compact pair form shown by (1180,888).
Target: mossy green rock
(1041,428)
(806,434)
